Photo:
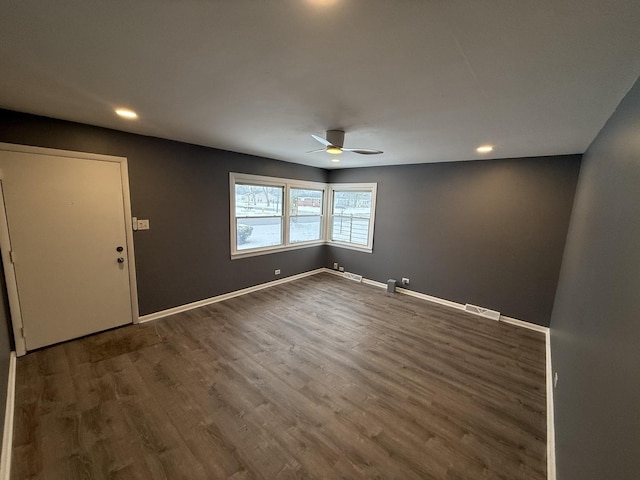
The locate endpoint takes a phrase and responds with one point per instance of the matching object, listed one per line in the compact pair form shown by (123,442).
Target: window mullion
(307,225)
(286,214)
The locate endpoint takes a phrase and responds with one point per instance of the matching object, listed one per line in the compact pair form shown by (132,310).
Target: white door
(66,222)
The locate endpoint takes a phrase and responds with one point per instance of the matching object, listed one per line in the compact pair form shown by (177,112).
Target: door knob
(119,249)
(120,260)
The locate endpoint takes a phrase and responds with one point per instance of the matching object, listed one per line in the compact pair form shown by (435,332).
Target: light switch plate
(143,224)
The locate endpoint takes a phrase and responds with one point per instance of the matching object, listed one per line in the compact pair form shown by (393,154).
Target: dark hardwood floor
(317,378)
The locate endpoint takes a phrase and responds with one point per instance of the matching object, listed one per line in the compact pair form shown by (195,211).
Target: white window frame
(352,187)
(327,213)
(287,184)
(323,217)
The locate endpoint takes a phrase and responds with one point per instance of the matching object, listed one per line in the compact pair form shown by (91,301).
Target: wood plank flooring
(320,378)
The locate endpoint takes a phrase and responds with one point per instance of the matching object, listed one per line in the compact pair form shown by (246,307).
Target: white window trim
(352,187)
(287,184)
(327,208)
(323,214)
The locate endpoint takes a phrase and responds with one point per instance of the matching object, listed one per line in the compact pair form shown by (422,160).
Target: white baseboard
(7,436)
(551,445)
(551,463)
(446,303)
(523,324)
(430,298)
(551,425)
(225,296)
(411,293)
(219,298)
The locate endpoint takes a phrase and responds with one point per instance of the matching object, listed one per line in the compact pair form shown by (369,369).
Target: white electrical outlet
(335,265)
(341,269)
(276,271)
(405,281)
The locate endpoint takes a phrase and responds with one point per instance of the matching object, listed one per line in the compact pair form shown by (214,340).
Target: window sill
(278,249)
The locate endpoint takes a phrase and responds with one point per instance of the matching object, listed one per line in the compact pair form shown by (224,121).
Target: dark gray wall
(489,233)
(184,191)
(595,327)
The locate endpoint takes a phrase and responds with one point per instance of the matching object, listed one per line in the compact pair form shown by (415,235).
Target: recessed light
(335,160)
(126,113)
(485,149)
(322,3)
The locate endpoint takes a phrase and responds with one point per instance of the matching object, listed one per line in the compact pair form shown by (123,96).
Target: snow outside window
(258,216)
(274,214)
(352,215)
(305,216)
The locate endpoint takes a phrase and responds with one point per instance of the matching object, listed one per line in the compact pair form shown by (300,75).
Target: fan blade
(362,151)
(326,143)
(318,150)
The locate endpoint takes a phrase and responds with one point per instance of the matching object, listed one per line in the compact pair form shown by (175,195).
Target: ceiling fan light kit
(334,144)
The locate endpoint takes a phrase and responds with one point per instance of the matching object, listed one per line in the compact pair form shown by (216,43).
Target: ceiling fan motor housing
(336,137)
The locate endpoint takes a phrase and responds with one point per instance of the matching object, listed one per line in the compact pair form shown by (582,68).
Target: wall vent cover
(353,276)
(483,312)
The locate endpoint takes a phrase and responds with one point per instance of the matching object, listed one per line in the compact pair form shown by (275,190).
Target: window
(274,214)
(258,215)
(305,215)
(352,215)
(271,214)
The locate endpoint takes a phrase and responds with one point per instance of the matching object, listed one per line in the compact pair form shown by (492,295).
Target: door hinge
(12,256)
(22,332)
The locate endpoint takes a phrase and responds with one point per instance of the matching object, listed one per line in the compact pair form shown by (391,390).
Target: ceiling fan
(334,144)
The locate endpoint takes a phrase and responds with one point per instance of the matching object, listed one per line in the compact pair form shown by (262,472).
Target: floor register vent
(483,312)
(353,276)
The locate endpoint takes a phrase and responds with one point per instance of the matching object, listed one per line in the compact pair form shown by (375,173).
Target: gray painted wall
(184,191)
(595,334)
(489,233)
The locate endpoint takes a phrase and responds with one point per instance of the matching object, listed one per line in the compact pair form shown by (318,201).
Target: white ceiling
(423,80)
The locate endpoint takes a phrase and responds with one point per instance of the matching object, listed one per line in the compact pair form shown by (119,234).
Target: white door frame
(10,278)
(5,241)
